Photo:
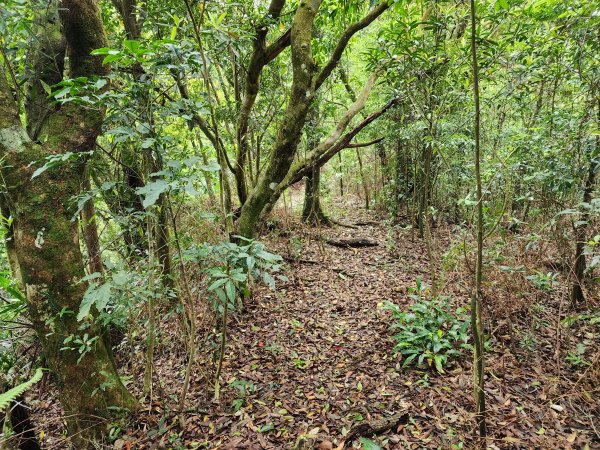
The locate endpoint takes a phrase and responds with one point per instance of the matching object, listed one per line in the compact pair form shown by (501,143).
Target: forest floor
(314,358)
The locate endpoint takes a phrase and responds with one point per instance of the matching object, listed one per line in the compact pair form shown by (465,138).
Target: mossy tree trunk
(260,56)
(285,146)
(46,240)
(312,212)
(305,83)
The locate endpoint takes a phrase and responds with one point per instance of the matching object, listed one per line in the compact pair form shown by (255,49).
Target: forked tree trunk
(312,212)
(306,81)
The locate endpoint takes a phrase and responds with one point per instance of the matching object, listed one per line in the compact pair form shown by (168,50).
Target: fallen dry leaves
(313,359)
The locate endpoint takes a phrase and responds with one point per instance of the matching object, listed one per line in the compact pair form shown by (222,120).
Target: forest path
(318,352)
(316,356)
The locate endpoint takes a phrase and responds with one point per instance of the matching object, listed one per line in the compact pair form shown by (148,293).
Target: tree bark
(90,232)
(289,133)
(577,295)
(261,55)
(476,320)
(312,212)
(46,240)
(304,86)
(363,180)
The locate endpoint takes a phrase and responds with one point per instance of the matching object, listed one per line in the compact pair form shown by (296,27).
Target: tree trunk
(46,240)
(426,219)
(290,131)
(341,172)
(476,320)
(49,257)
(577,295)
(304,85)
(312,212)
(363,180)
(90,232)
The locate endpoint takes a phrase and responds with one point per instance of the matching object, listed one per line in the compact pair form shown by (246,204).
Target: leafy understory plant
(233,269)
(546,282)
(9,396)
(429,333)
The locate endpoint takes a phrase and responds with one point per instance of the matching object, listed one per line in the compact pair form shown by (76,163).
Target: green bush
(234,269)
(429,333)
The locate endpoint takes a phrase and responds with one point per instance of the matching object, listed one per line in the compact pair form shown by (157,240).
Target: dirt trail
(315,356)
(318,351)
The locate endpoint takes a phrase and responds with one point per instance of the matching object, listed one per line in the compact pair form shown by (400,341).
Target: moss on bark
(46,241)
(312,212)
(289,133)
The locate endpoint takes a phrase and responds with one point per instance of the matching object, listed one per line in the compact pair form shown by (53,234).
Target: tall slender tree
(476,322)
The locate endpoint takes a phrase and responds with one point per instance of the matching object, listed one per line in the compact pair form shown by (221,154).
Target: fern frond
(7,397)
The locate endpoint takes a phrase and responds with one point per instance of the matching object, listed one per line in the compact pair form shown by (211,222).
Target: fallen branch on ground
(375,427)
(352,243)
(341,224)
(367,222)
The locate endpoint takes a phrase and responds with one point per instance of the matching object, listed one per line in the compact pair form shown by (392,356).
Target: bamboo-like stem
(476,322)
(151,319)
(222,350)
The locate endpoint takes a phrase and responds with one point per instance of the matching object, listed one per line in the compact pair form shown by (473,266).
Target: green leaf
(62,93)
(148,142)
(95,295)
(46,88)
(438,360)
(410,359)
(152,191)
(7,397)
(210,167)
(230,290)
(100,83)
(368,444)
(132,46)
(266,428)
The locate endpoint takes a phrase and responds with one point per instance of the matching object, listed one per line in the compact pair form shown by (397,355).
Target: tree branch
(261,56)
(302,169)
(345,38)
(364,144)
(217,143)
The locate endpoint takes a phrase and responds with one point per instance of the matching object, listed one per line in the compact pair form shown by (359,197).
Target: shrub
(429,333)
(234,268)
